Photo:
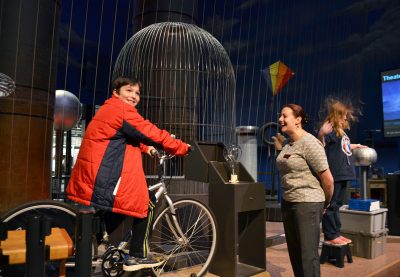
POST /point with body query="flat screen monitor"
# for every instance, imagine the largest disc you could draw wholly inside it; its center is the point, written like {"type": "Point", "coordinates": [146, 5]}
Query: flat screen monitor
{"type": "Point", "coordinates": [391, 102]}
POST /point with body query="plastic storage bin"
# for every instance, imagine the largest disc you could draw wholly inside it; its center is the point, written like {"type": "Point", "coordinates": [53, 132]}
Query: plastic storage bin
{"type": "Point", "coordinates": [360, 221]}
{"type": "Point", "coordinates": [367, 245]}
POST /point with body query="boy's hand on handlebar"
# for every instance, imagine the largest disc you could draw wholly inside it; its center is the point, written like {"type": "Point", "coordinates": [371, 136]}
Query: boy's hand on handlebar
{"type": "Point", "coordinates": [151, 151]}
{"type": "Point", "coordinates": [190, 149]}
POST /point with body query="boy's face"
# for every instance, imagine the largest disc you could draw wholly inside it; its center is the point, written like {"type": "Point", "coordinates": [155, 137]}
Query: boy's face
{"type": "Point", "coordinates": [129, 94]}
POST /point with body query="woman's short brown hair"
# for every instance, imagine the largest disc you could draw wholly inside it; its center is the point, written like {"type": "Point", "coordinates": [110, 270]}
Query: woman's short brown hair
{"type": "Point", "coordinates": [298, 111]}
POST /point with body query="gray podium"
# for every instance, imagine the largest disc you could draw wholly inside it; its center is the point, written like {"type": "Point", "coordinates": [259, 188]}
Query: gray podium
{"type": "Point", "coordinates": [239, 209]}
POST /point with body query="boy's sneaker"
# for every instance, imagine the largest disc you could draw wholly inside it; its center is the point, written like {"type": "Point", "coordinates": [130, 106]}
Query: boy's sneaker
{"type": "Point", "coordinates": [134, 263]}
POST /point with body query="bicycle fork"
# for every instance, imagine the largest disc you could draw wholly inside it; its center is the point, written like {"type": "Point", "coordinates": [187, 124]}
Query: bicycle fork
{"type": "Point", "coordinates": [173, 224]}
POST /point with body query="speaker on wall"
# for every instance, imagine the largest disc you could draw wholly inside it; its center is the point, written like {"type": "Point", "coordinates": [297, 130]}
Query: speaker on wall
{"type": "Point", "coordinates": [393, 203]}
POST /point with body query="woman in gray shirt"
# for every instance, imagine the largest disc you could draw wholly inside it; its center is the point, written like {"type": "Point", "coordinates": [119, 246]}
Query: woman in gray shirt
{"type": "Point", "coordinates": [307, 185]}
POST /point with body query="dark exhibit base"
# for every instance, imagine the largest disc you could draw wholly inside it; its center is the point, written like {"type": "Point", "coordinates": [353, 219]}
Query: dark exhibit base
{"type": "Point", "coordinates": [239, 209]}
{"type": "Point", "coordinates": [393, 203]}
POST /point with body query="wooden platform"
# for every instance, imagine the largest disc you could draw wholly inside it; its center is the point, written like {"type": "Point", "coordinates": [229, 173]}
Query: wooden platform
{"type": "Point", "coordinates": [59, 242]}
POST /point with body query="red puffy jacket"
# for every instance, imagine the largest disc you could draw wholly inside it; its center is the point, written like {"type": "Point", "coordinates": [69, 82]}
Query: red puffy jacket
{"type": "Point", "coordinates": [108, 173]}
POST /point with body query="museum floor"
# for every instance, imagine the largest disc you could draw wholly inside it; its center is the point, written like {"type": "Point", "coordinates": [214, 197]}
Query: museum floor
{"type": "Point", "coordinates": [278, 264]}
{"type": "Point", "coordinates": [386, 265]}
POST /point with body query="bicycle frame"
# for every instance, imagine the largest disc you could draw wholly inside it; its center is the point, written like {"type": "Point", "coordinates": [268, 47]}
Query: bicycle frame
{"type": "Point", "coordinates": [161, 191]}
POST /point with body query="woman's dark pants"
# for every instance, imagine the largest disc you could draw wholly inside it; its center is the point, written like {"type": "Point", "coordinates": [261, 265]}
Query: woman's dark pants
{"type": "Point", "coordinates": [301, 221]}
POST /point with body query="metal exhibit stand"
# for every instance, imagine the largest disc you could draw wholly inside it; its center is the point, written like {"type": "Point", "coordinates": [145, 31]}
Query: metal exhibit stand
{"type": "Point", "coordinates": [239, 209]}
{"type": "Point", "coordinates": [364, 181]}
{"type": "Point", "coordinates": [365, 227]}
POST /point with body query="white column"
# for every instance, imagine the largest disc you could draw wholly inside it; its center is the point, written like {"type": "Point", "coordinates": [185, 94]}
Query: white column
{"type": "Point", "coordinates": [247, 140]}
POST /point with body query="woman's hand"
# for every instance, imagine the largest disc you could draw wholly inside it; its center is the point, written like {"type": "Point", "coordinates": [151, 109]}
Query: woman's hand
{"type": "Point", "coordinates": [278, 141]}
{"type": "Point", "coordinates": [326, 179]}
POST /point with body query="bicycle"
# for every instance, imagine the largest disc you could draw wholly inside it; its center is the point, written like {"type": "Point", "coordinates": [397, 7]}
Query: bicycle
{"type": "Point", "coordinates": [184, 231]}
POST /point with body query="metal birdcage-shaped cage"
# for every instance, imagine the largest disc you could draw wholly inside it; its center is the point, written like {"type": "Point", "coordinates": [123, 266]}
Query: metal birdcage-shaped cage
{"type": "Point", "coordinates": [188, 80]}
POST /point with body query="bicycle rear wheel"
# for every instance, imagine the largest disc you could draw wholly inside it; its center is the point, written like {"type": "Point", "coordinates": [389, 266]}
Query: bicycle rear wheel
{"type": "Point", "coordinates": [60, 215]}
{"type": "Point", "coordinates": [192, 252]}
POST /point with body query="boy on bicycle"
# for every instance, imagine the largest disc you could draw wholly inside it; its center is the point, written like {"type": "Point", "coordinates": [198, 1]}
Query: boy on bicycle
{"type": "Point", "coordinates": [108, 173]}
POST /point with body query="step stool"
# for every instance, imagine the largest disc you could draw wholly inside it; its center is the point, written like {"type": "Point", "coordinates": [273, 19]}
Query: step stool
{"type": "Point", "coordinates": [338, 252]}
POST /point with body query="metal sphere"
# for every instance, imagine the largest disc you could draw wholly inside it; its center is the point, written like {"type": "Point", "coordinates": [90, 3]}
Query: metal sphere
{"type": "Point", "coordinates": [364, 156]}
{"type": "Point", "coordinates": [67, 110]}
{"type": "Point", "coordinates": [7, 85]}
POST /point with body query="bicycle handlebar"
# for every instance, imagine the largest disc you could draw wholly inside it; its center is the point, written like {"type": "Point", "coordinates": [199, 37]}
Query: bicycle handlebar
{"type": "Point", "coordinates": [165, 156]}
{"type": "Point", "coordinates": [161, 155]}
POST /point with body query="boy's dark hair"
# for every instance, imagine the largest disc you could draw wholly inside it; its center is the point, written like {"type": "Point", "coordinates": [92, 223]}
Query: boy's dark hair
{"type": "Point", "coordinates": [123, 81]}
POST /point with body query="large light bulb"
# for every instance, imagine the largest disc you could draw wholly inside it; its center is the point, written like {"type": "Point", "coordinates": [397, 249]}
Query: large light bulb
{"type": "Point", "coordinates": [232, 154]}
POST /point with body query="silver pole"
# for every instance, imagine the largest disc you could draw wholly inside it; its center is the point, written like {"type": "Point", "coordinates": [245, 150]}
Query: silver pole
{"type": "Point", "coordinates": [363, 186]}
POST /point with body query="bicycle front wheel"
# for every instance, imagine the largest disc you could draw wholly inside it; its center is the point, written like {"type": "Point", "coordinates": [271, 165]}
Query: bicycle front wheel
{"type": "Point", "coordinates": [187, 239]}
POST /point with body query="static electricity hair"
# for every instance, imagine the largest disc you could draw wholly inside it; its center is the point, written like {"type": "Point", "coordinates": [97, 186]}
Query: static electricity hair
{"type": "Point", "coordinates": [336, 110]}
